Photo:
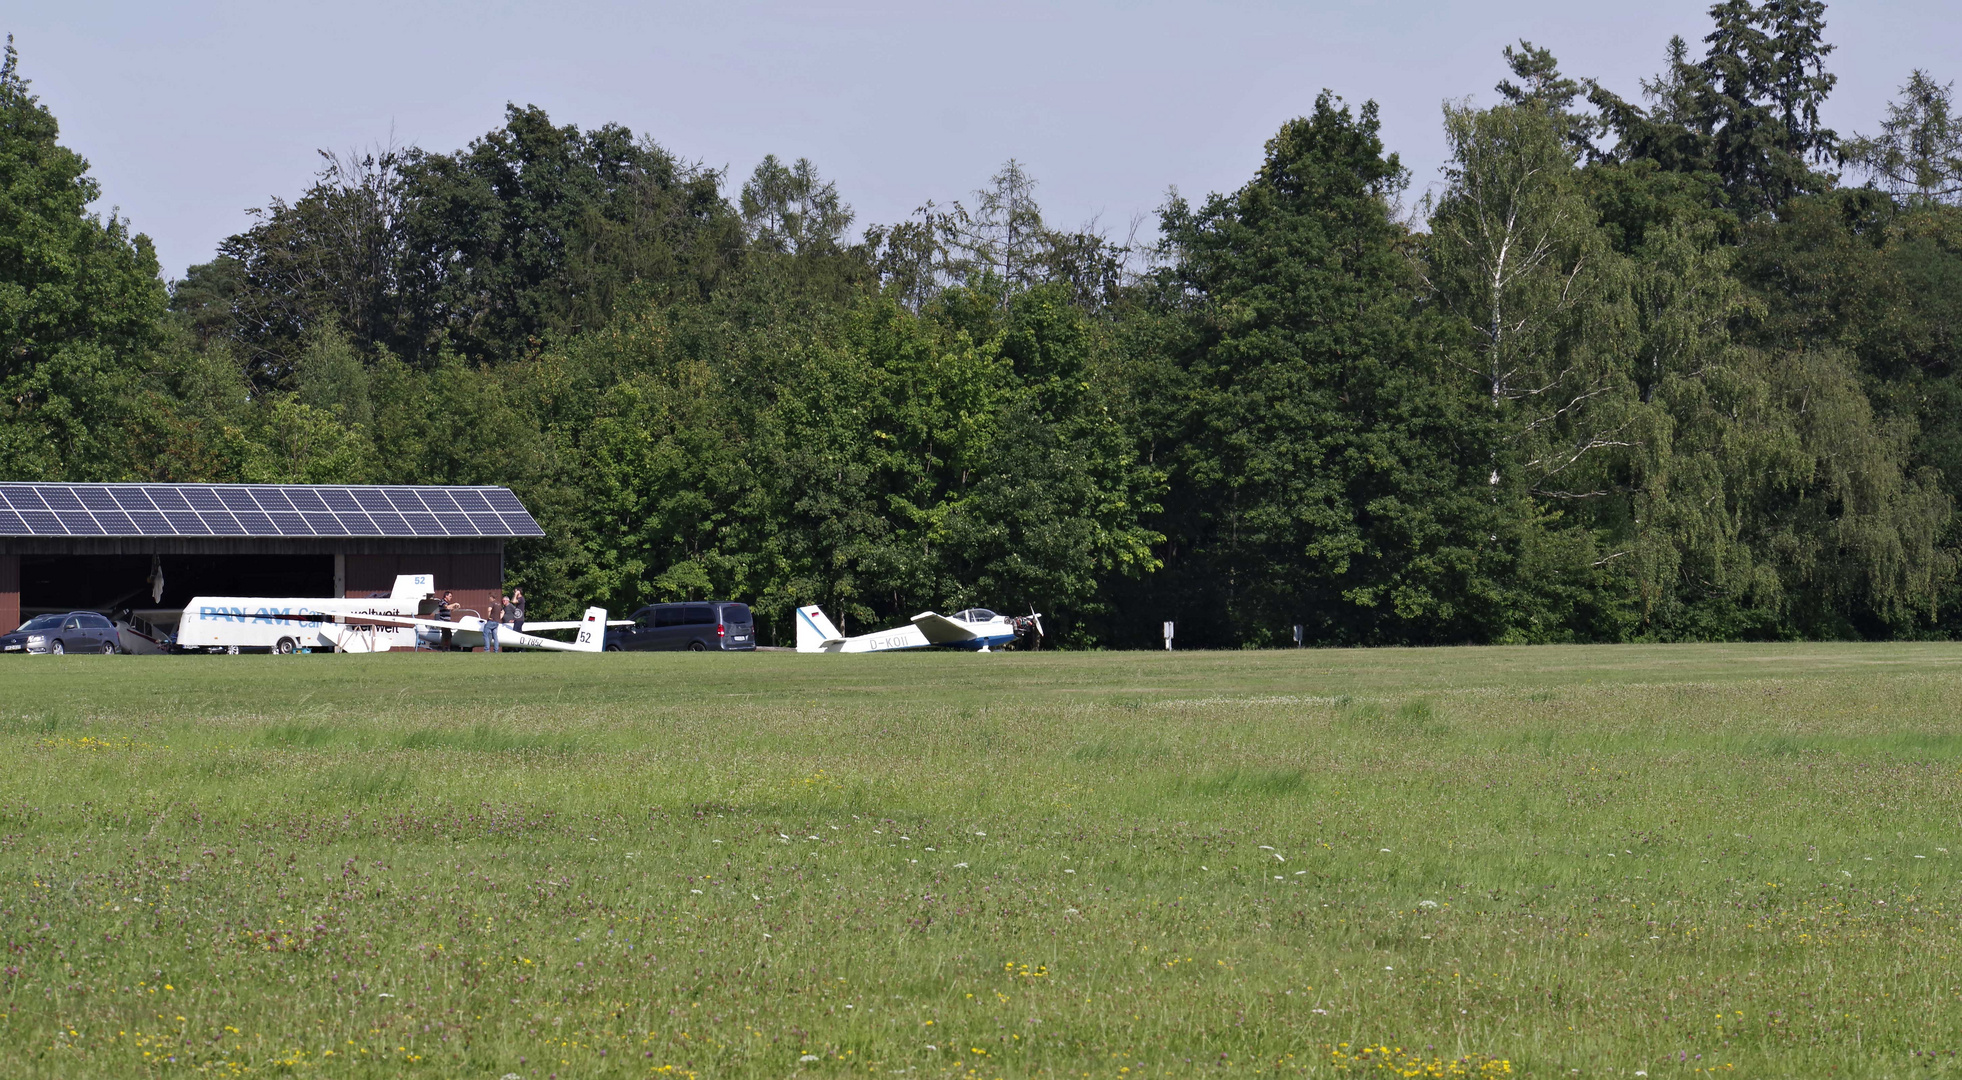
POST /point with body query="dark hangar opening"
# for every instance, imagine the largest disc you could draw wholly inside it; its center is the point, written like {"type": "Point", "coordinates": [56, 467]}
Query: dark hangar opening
{"type": "Point", "coordinates": [115, 582]}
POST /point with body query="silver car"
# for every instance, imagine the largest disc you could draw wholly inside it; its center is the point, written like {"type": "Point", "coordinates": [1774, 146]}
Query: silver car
{"type": "Point", "coordinates": [77, 631]}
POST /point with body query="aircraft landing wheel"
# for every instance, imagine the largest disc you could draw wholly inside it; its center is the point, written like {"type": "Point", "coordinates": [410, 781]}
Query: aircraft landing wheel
{"type": "Point", "coordinates": [57, 648]}
{"type": "Point", "coordinates": [108, 648]}
{"type": "Point", "coordinates": [696, 646]}
{"type": "Point", "coordinates": [286, 647]}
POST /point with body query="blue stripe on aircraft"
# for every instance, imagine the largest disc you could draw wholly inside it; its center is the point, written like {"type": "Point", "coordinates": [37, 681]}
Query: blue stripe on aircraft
{"type": "Point", "coordinates": [802, 614]}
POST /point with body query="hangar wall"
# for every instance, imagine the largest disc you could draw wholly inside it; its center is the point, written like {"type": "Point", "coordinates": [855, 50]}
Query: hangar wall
{"type": "Point", "coordinates": [9, 593]}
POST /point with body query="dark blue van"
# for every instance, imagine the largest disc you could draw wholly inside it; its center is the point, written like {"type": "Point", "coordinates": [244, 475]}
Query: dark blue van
{"type": "Point", "coordinates": [715, 626]}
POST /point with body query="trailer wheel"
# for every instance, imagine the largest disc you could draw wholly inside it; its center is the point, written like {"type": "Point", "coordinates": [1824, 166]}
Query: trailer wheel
{"type": "Point", "coordinates": [231, 650]}
{"type": "Point", "coordinates": [286, 647]}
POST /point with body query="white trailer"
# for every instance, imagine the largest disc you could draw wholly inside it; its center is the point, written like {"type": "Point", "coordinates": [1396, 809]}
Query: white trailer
{"type": "Point", "coordinates": [233, 624]}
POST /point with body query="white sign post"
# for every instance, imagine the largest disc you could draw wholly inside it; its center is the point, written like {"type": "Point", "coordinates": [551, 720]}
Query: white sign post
{"type": "Point", "coordinates": [1168, 637]}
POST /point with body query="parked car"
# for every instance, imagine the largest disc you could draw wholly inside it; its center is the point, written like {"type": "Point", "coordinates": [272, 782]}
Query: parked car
{"type": "Point", "coordinates": [77, 631]}
{"type": "Point", "coordinates": [719, 625]}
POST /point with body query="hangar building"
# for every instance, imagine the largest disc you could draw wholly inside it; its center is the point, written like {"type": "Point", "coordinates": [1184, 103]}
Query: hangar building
{"type": "Point", "coordinates": [98, 546]}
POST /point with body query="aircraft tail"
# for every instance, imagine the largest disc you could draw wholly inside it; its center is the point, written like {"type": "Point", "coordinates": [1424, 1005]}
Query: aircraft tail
{"type": "Point", "coordinates": [412, 587]}
{"type": "Point", "coordinates": [592, 631]}
{"type": "Point", "coordinates": [814, 629]}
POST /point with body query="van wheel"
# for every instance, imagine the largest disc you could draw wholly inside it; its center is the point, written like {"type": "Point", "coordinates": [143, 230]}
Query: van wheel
{"type": "Point", "coordinates": [286, 647]}
{"type": "Point", "coordinates": [696, 646]}
{"type": "Point", "coordinates": [613, 648]}
{"type": "Point", "coordinates": [57, 648]}
{"type": "Point", "coordinates": [231, 650]}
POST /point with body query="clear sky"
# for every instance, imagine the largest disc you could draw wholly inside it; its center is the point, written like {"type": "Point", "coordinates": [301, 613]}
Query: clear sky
{"type": "Point", "coordinates": [192, 112]}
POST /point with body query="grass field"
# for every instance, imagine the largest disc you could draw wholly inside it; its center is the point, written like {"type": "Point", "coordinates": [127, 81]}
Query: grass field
{"type": "Point", "coordinates": [1609, 861]}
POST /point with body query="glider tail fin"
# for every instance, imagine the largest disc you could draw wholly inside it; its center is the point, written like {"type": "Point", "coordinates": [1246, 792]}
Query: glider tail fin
{"type": "Point", "coordinates": [592, 631]}
{"type": "Point", "coordinates": [814, 629]}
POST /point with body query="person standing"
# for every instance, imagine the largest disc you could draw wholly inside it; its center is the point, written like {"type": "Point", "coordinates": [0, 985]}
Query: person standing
{"type": "Point", "coordinates": [446, 611]}
{"type": "Point", "coordinates": [516, 609]}
{"type": "Point", "coordinates": [493, 617]}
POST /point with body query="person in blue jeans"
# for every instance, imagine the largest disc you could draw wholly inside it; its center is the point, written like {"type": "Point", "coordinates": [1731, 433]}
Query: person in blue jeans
{"type": "Point", "coordinates": [493, 615]}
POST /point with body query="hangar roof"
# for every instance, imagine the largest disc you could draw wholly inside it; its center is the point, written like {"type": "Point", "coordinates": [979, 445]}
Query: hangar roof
{"type": "Point", "coordinates": [261, 510]}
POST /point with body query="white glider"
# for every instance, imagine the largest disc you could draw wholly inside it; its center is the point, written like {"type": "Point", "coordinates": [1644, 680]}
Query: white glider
{"type": "Point", "coordinates": [973, 629]}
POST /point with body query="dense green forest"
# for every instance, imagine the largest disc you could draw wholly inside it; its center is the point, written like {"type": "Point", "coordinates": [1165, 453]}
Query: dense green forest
{"type": "Point", "coordinates": [1678, 364]}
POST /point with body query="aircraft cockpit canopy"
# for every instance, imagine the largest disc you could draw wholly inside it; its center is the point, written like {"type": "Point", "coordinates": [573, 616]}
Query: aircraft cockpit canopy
{"type": "Point", "coordinates": [974, 614]}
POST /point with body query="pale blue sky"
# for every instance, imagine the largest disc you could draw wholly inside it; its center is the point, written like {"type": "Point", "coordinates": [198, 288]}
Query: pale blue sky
{"type": "Point", "coordinates": [192, 112]}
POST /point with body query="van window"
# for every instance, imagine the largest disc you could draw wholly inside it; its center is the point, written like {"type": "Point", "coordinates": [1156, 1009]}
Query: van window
{"type": "Point", "coordinates": [669, 615]}
{"type": "Point", "coordinates": [736, 613]}
{"type": "Point", "coordinates": [644, 617]}
{"type": "Point", "coordinates": [700, 615]}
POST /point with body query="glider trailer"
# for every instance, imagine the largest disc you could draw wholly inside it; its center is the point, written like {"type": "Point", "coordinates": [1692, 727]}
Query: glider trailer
{"type": "Point", "coordinates": [234, 624]}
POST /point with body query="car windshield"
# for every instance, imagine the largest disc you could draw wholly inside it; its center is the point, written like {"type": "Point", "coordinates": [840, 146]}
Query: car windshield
{"type": "Point", "coordinates": [42, 622]}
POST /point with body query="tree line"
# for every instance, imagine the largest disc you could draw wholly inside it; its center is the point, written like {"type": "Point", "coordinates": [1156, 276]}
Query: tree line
{"type": "Point", "coordinates": [1676, 365]}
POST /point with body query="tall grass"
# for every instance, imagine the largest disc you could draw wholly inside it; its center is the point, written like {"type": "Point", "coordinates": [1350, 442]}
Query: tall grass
{"type": "Point", "coordinates": [1669, 860]}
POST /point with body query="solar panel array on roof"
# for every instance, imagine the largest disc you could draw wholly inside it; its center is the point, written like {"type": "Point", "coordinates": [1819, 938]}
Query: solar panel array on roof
{"type": "Point", "coordinates": [260, 510]}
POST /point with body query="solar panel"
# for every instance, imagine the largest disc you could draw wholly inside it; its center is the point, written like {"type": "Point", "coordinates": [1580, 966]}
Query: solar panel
{"type": "Point", "coordinates": [271, 499]}
{"type": "Point", "coordinates": [60, 498]}
{"type": "Point", "coordinates": [115, 523]}
{"type": "Point", "coordinates": [23, 492]}
{"type": "Point", "coordinates": [268, 510]}
{"type": "Point", "coordinates": [167, 499]}
{"type": "Point", "coordinates": [392, 525]}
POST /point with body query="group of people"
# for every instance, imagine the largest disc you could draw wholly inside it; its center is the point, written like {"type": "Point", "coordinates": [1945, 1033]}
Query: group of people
{"type": "Point", "coordinates": [504, 611]}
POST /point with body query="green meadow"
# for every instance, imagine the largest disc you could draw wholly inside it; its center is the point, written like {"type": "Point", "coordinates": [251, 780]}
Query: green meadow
{"type": "Point", "coordinates": [1553, 861]}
